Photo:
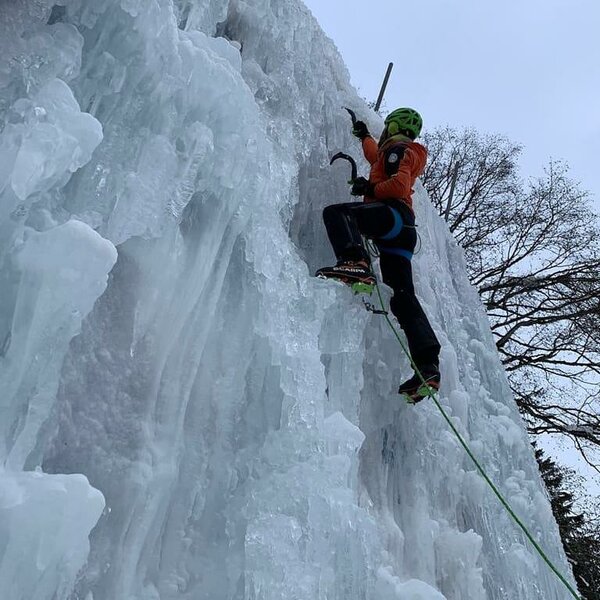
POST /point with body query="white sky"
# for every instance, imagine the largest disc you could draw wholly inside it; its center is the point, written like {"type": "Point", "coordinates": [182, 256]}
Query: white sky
{"type": "Point", "coordinates": [527, 69]}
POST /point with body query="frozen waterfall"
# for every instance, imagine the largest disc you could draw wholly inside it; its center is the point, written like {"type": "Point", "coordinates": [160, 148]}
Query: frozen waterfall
{"type": "Point", "coordinates": [185, 412]}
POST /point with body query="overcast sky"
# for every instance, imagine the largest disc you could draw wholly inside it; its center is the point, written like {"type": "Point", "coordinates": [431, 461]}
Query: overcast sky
{"type": "Point", "coordinates": [527, 69]}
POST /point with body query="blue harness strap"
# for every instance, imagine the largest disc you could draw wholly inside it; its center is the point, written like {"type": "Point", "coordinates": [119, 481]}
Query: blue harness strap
{"type": "Point", "coordinates": [398, 251]}
{"type": "Point", "coordinates": [394, 232]}
{"type": "Point", "coordinates": [396, 229]}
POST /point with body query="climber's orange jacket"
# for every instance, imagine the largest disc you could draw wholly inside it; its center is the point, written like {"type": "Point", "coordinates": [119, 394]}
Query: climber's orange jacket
{"type": "Point", "coordinates": [395, 167]}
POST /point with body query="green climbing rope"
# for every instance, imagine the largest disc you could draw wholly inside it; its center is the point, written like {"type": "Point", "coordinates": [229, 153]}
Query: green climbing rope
{"type": "Point", "coordinates": [464, 444]}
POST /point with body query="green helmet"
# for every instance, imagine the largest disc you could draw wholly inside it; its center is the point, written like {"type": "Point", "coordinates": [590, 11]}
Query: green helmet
{"type": "Point", "coordinates": [404, 120]}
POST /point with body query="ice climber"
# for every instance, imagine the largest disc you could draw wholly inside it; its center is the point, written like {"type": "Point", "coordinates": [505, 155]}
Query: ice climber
{"type": "Point", "coordinates": [386, 216]}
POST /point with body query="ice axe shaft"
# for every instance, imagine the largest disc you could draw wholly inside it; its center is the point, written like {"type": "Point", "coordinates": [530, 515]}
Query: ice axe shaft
{"type": "Point", "coordinates": [383, 86]}
{"type": "Point", "coordinates": [350, 160]}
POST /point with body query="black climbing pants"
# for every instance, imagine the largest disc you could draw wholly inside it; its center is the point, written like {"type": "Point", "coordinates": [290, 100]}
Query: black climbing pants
{"type": "Point", "coordinates": [391, 225]}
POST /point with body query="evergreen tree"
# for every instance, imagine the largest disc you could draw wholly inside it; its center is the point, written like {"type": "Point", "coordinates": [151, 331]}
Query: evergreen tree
{"type": "Point", "coordinates": [579, 532]}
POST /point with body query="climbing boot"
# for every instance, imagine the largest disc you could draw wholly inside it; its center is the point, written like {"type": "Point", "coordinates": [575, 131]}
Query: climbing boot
{"type": "Point", "coordinates": [349, 272]}
{"type": "Point", "coordinates": [420, 386]}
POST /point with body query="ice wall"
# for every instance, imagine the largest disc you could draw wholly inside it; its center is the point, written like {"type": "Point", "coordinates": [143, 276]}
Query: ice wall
{"type": "Point", "coordinates": [186, 412]}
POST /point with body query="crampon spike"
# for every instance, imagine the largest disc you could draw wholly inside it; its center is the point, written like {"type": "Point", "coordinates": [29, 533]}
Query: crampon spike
{"type": "Point", "coordinates": [425, 391]}
{"type": "Point", "coordinates": [358, 287]}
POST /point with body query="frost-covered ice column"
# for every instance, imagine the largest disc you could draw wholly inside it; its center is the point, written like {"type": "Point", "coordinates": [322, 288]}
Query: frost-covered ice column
{"type": "Point", "coordinates": [52, 269]}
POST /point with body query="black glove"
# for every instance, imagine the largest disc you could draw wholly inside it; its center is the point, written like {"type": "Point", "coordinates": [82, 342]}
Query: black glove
{"type": "Point", "coordinates": [362, 187]}
{"type": "Point", "coordinates": [359, 129]}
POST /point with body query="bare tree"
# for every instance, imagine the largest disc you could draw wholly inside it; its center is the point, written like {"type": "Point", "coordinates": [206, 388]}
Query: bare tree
{"type": "Point", "coordinates": [533, 252]}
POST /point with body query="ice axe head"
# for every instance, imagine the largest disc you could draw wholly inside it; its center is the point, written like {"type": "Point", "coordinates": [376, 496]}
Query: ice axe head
{"type": "Point", "coordinates": [352, 115]}
{"type": "Point", "coordinates": [350, 160]}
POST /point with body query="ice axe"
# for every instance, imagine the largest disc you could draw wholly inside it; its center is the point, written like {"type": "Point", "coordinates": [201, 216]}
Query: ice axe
{"type": "Point", "coordinates": [346, 156]}
{"type": "Point", "coordinates": [350, 160]}
{"type": "Point", "coordinates": [352, 115]}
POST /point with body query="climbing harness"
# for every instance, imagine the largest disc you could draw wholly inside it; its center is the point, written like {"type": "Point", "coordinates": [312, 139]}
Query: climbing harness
{"type": "Point", "coordinates": [480, 469]}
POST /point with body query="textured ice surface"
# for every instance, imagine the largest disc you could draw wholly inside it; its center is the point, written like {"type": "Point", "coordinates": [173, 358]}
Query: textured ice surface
{"type": "Point", "coordinates": [163, 168]}
{"type": "Point", "coordinates": [44, 520]}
